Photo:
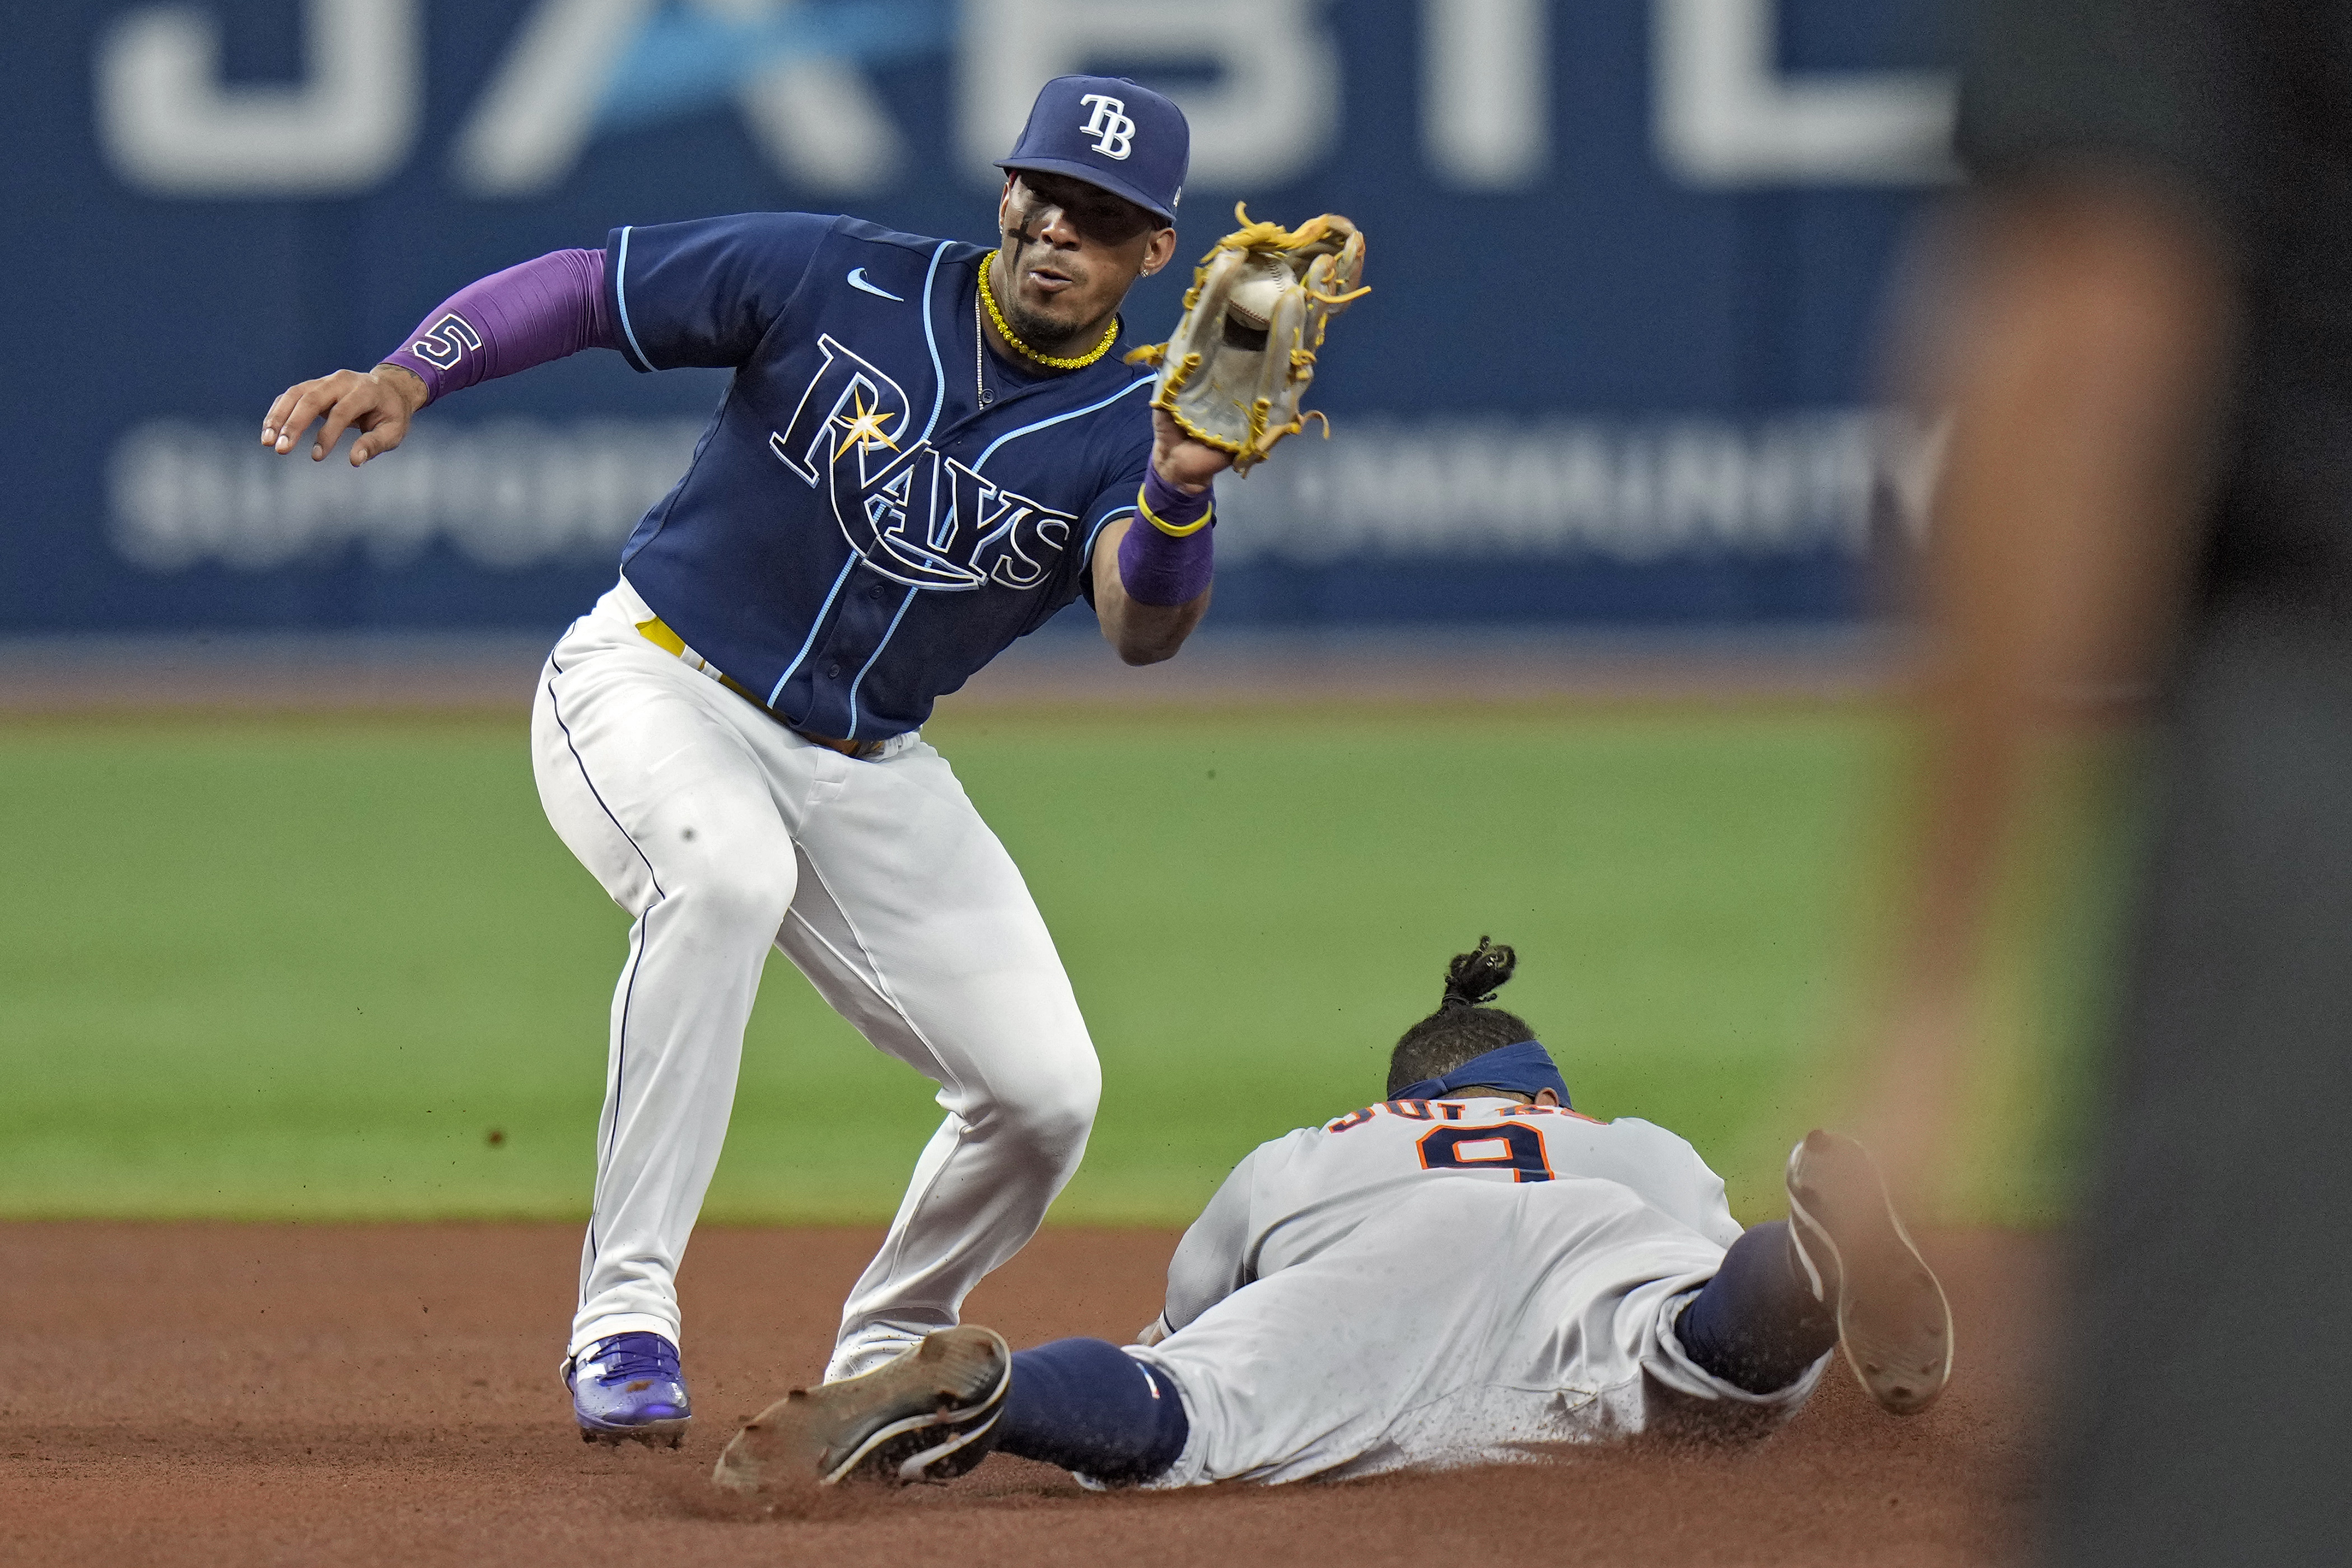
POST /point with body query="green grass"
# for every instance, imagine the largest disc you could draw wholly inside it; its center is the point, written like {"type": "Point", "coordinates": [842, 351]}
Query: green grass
{"type": "Point", "coordinates": [302, 969]}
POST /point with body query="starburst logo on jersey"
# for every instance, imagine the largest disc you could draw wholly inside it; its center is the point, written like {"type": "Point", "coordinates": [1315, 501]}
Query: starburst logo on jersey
{"type": "Point", "coordinates": [917, 516]}
{"type": "Point", "coordinates": [866, 429]}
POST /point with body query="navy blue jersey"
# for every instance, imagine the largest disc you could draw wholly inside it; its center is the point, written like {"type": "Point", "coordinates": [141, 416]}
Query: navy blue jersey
{"type": "Point", "coordinates": [856, 535]}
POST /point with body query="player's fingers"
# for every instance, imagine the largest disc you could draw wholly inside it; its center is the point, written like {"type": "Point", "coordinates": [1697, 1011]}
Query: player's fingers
{"type": "Point", "coordinates": [277, 422]}
{"type": "Point", "coordinates": [281, 407]}
{"type": "Point", "coordinates": [307, 407]}
{"type": "Point", "coordinates": [340, 415]}
{"type": "Point", "coordinates": [381, 432]}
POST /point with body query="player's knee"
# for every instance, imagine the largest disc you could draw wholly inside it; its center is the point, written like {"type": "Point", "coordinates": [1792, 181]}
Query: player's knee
{"type": "Point", "coordinates": [1055, 1124]}
{"type": "Point", "coordinates": [741, 884]}
{"type": "Point", "coordinates": [1055, 1112]}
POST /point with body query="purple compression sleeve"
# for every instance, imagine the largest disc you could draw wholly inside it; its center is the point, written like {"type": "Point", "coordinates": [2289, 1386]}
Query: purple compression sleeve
{"type": "Point", "coordinates": [1159, 568]}
{"type": "Point", "coordinates": [511, 321]}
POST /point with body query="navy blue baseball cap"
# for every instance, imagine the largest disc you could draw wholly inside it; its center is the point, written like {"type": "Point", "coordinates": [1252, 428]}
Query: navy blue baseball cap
{"type": "Point", "coordinates": [1108, 132]}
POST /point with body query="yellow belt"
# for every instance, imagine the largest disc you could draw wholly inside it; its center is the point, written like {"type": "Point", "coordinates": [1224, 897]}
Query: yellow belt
{"type": "Point", "coordinates": [656, 631]}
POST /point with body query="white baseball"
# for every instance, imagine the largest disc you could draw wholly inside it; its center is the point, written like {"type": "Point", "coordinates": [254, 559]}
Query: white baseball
{"type": "Point", "coordinates": [1253, 300]}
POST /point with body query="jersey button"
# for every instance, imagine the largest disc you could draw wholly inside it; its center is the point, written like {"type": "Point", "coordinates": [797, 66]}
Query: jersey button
{"type": "Point", "coordinates": [875, 593]}
{"type": "Point", "coordinates": [833, 670]}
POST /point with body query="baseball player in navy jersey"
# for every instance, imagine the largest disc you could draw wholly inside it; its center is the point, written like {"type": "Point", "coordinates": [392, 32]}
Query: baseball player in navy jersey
{"type": "Point", "coordinates": [1469, 1272]}
{"type": "Point", "coordinates": [927, 449]}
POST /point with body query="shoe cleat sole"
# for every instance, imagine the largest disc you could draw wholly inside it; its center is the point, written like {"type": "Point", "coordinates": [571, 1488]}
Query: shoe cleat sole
{"type": "Point", "coordinates": [925, 1416]}
{"type": "Point", "coordinates": [1895, 1325]}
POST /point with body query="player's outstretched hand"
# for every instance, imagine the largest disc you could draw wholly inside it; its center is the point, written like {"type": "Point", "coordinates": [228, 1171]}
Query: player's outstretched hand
{"type": "Point", "coordinates": [376, 403]}
{"type": "Point", "coordinates": [1181, 460]}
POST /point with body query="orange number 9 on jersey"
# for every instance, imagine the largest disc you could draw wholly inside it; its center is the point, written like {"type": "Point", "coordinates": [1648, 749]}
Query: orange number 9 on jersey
{"type": "Point", "coordinates": [1514, 1147]}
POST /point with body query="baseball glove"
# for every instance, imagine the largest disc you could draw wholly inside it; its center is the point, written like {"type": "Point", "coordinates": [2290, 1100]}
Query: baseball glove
{"type": "Point", "coordinates": [1241, 358]}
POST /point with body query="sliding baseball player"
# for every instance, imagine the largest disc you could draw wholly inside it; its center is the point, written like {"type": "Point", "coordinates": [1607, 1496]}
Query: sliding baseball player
{"type": "Point", "coordinates": [1468, 1272]}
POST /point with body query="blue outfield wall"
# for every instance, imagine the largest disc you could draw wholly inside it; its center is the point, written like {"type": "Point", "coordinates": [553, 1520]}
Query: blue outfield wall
{"type": "Point", "coordinates": [1628, 257]}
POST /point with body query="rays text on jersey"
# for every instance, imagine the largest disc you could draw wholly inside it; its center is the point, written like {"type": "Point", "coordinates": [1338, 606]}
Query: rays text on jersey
{"type": "Point", "coordinates": [916, 515]}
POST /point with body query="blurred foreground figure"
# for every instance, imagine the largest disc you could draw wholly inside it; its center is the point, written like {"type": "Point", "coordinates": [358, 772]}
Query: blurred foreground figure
{"type": "Point", "coordinates": [2148, 356]}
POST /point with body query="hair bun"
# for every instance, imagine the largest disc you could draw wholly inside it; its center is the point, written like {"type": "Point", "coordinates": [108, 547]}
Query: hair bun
{"type": "Point", "coordinates": [1472, 978]}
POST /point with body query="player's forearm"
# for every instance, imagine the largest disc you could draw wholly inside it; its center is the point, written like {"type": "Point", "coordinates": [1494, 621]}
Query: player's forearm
{"type": "Point", "coordinates": [543, 310]}
{"type": "Point", "coordinates": [2081, 400]}
{"type": "Point", "coordinates": [1143, 634]}
{"type": "Point", "coordinates": [2085, 354]}
{"type": "Point", "coordinates": [1211, 1262]}
{"type": "Point", "coordinates": [1163, 563]}
{"type": "Point", "coordinates": [1200, 1275]}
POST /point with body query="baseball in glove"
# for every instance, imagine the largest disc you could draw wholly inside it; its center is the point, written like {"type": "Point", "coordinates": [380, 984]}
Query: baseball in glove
{"type": "Point", "coordinates": [1242, 354]}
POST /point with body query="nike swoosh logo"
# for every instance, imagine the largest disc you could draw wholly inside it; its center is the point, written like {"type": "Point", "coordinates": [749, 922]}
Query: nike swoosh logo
{"type": "Point", "coordinates": [857, 280]}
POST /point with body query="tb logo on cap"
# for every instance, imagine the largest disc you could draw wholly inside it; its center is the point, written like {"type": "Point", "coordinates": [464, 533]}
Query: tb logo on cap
{"type": "Point", "coordinates": [1113, 130]}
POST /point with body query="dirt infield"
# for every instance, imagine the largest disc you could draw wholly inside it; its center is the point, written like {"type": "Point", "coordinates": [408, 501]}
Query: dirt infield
{"type": "Point", "coordinates": [250, 1395]}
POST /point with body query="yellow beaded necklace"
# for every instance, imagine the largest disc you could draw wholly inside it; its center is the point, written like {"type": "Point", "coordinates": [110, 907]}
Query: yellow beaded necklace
{"type": "Point", "coordinates": [1078, 361]}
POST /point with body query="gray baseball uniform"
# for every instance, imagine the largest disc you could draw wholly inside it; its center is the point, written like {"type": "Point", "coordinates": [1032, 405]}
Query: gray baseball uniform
{"type": "Point", "coordinates": [1445, 1282]}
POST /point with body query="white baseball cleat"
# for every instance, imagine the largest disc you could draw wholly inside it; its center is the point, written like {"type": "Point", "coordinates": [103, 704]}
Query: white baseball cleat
{"type": "Point", "coordinates": [1894, 1323]}
{"type": "Point", "coordinates": [928, 1416]}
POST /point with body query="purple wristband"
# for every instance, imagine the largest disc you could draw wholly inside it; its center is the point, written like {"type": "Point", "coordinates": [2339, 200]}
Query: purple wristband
{"type": "Point", "coordinates": [511, 321]}
{"type": "Point", "coordinates": [1159, 568]}
{"type": "Point", "coordinates": [1173, 506]}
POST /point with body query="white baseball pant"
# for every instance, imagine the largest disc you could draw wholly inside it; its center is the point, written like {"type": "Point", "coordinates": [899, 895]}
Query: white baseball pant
{"type": "Point", "coordinates": [721, 832]}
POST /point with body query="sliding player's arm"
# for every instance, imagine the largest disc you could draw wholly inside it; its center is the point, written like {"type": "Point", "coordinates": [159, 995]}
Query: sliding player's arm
{"type": "Point", "coordinates": [1212, 1260]}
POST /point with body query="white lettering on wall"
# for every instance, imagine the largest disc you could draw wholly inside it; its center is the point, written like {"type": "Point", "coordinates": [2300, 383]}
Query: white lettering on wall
{"type": "Point", "coordinates": [530, 124]}
{"type": "Point", "coordinates": [169, 124]}
{"type": "Point", "coordinates": [1726, 116]}
{"type": "Point", "coordinates": [1625, 490]}
{"type": "Point", "coordinates": [509, 493]}
{"type": "Point", "coordinates": [1486, 92]}
{"type": "Point", "coordinates": [1271, 114]}
{"type": "Point", "coordinates": [517, 493]}
{"type": "Point", "coordinates": [815, 118]}
{"type": "Point", "coordinates": [822, 127]}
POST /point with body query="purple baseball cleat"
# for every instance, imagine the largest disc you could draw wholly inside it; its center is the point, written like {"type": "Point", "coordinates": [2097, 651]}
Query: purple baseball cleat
{"type": "Point", "coordinates": [629, 1385]}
